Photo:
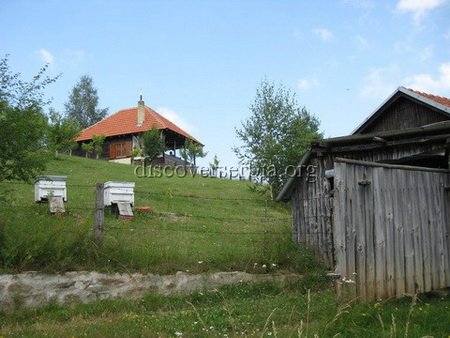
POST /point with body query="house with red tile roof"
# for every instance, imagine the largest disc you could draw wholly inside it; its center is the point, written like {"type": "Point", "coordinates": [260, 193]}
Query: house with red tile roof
{"type": "Point", "coordinates": [122, 131]}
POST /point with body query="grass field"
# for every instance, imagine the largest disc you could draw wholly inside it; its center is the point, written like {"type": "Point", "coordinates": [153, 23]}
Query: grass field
{"type": "Point", "coordinates": [197, 224]}
{"type": "Point", "coordinates": [220, 223]}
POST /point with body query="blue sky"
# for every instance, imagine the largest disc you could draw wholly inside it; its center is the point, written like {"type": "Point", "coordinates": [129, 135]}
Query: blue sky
{"type": "Point", "coordinates": [200, 62]}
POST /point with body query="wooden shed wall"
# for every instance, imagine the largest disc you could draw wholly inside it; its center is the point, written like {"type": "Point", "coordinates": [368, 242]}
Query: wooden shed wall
{"type": "Point", "coordinates": [312, 214]}
{"type": "Point", "coordinates": [403, 114]}
{"type": "Point", "coordinates": [312, 201]}
{"type": "Point", "coordinates": [391, 230]}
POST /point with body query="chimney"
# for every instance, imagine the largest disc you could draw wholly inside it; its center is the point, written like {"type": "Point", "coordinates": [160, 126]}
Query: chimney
{"type": "Point", "coordinates": [140, 111]}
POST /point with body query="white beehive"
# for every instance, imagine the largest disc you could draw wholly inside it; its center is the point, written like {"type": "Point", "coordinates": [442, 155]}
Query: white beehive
{"type": "Point", "coordinates": [47, 186]}
{"type": "Point", "coordinates": [118, 192]}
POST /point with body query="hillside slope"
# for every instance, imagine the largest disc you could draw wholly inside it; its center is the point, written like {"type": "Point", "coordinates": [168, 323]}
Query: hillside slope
{"type": "Point", "coordinates": [197, 224]}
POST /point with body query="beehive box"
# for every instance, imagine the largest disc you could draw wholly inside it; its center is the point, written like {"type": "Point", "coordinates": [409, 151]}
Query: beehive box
{"type": "Point", "coordinates": [46, 186]}
{"type": "Point", "coordinates": [118, 192]}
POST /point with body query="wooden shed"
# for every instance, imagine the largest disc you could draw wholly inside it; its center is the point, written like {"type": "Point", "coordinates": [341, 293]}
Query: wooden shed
{"type": "Point", "coordinates": [378, 208]}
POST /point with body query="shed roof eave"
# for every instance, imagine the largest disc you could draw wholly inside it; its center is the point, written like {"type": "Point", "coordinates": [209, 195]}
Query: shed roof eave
{"type": "Point", "coordinates": [285, 194]}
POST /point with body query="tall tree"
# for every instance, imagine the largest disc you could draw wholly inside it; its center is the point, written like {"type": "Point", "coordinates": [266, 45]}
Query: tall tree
{"type": "Point", "coordinates": [61, 132]}
{"type": "Point", "coordinates": [276, 135]}
{"type": "Point", "coordinates": [23, 124]}
{"type": "Point", "coordinates": [82, 105]}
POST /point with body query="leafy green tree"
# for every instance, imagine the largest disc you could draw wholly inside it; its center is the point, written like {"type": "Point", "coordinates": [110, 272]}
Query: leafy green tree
{"type": "Point", "coordinates": [61, 132]}
{"type": "Point", "coordinates": [23, 124]}
{"type": "Point", "coordinates": [82, 105]}
{"type": "Point", "coordinates": [153, 144]}
{"type": "Point", "coordinates": [276, 135]}
{"type": "Point", "coordinates": [98, 141]}
{"type": "Point", "coordinates": [94, 146]}
{"type": "Point", "coordinates": [191, 151]}
{"type": "Point", "coordinates": [88, 148]}
{"type": "Point", "coordinates": [214, 165]}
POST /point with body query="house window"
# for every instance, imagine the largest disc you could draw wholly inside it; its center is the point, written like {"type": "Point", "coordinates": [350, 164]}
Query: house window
{"type": "Point", "coordinates": [120, 149]}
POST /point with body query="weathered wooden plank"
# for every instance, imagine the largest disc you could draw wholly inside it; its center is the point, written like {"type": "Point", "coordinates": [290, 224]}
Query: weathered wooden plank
{"type": "Point", "coordinates": [426, 233]}
{"type": "Point", "coordinates": [409, 239]}
{"type": "Point", "coordinates": [339, 226]}
{"type": "Point", "coordinates": [399, 191]}
{"type": "Point", "coordinates": [386, 191]}
{"type": "Point", "coordinates": [437, 230]}
{"type": "Point", "coordinates": [370, 240]}
{"type": "Point", "coordinates": [416, 200]}
{"type": "Point", "coordinates": [351, 173]}
{"type": "Point", "coordinates": [379, 227]}
{"type": "Point", "coordinates": [434, 210]}
{"type": "Point", "coordinates": [446, 228]}
{"type": "Point", "coordinates": [442, 249]}
{"type": "Point", "coordinates": [360, 219]}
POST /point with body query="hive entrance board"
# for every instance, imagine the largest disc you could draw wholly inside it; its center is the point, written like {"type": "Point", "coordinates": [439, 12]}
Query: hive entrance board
{"type": "Point", "coordinates": [124, 209]}
{"type": "Point", "coordinates": [56, 205]}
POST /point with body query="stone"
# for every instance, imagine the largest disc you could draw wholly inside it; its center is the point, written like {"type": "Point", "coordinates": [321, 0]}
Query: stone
{"type": "Point", "coordinates": [34, 289]}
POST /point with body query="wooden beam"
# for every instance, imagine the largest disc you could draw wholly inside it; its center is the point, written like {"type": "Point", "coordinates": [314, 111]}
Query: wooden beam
{"type": "Point", "coordinates": [390, 166]}
{"type": "Point", "coordinates": [379, 145]}
{"type": "Point", "coordinates": [379, 139]}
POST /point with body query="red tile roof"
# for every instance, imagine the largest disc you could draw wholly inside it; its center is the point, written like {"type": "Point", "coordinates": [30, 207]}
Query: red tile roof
{"type": "Point", "coordinates": [125, 122]}
{"type": "Point", "coordinates": [439, 99]}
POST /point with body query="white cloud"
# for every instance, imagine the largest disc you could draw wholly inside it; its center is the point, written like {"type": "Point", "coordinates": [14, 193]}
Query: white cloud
{"type": "Point", "coordinates": [439, 85]}
{"type": "Point", "coordinates": [176, 118]}
{"type": "Point", "coordinates": [305, 84]}
{"type": "Point", "coordinates": [46, 56]}
{"type": "Point", "coordinates": [323, 33]}
{"type": "Point", "coordinates": [380, 82]}
{"type": "Point", "coordinates": [426, 53]}
{"type": "Point", "coordinates": [418, 7]}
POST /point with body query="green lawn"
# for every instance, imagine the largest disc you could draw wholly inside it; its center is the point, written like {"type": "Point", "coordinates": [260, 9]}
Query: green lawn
{"type": "Point", "coordinates": [235, 311]}
{"type": "Point", "coordinates": [218, 222]}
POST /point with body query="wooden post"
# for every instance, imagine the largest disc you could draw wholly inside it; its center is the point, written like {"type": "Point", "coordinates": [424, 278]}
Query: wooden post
{"type": "Point", "coordinates": [99, 212]}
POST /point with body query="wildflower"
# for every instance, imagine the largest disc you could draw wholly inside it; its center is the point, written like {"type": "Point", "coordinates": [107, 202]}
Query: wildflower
{"type": "Point", "coordinates": [178, 334]}
{"type": "Point", "coordinates": [274, 265]}
{"type": "Point", "coordinates": [264, 266]}
{"type": "Point", "coordinates": [200, 262]}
